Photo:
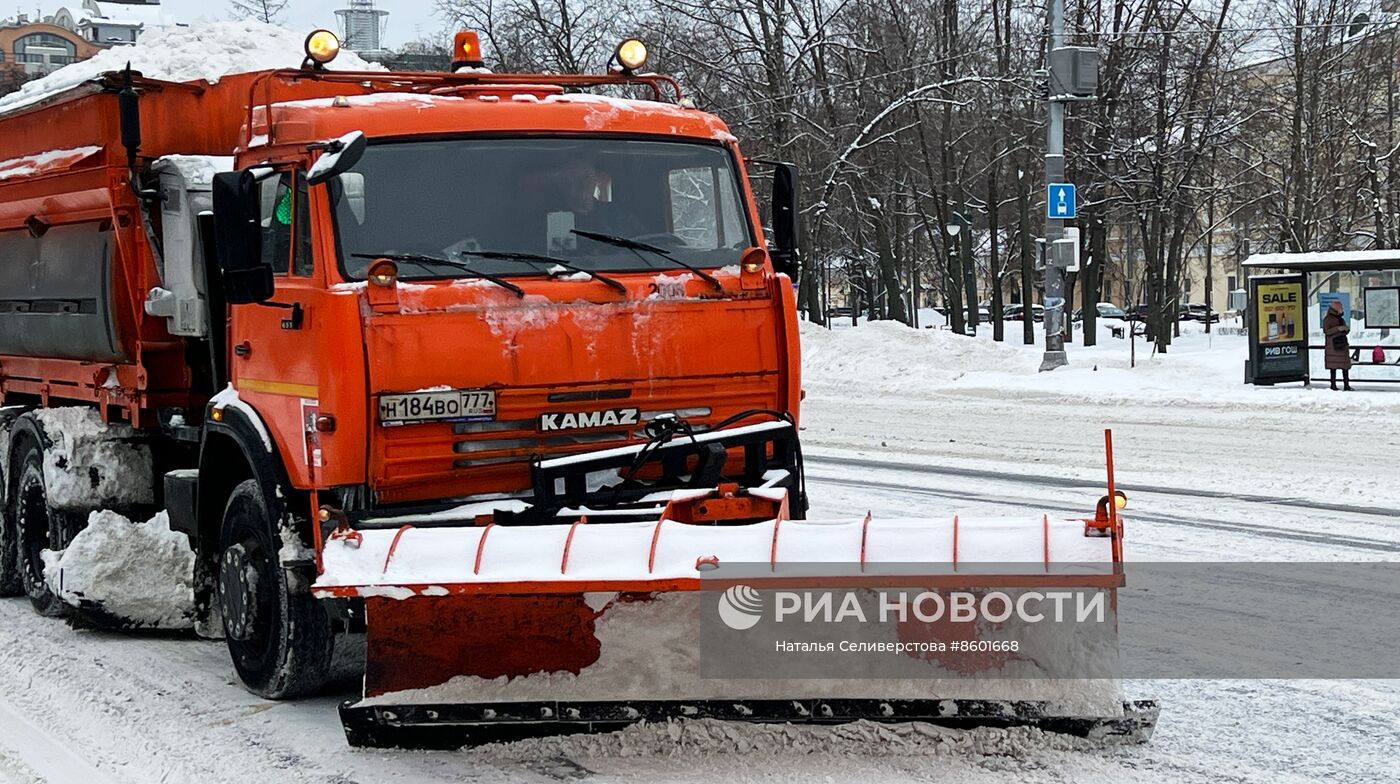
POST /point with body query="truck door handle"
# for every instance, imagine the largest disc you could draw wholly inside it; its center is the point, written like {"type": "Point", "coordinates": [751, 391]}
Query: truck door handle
{"type": "Point", "coordinates": [243, 349]}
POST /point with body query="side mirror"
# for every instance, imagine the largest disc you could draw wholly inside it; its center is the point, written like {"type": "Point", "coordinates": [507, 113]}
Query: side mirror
{"type": "Point", "coordinates": [340, 156]}
{"type": "Point", "coordinates": [787, 229]}
{"type": "Point", "coordinates": [238, 239]}
{"type": "Point", "coordinates": [248, 286]}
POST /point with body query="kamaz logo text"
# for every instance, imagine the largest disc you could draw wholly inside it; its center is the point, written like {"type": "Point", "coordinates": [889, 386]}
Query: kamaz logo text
{"type": "Point", "coordinates": [579, 420]}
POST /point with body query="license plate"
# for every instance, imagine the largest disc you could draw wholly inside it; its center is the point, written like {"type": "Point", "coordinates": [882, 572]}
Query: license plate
{"type": "Point", "coordinates": [462, 405]}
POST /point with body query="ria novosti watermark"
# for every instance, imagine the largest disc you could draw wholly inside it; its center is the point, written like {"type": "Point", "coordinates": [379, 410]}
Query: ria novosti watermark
{"type": "Point", "coordinates": [742, 607]}
{"type": "Point", "coordinates": [1165, 620]}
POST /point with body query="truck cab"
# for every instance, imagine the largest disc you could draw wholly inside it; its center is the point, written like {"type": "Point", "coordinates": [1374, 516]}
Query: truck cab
{"type": "Point", "coordinates": [452, 302]}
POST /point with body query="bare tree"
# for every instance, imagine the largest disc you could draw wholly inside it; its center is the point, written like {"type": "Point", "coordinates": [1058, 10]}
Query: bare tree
{"type": "Point", "coordinates": [1273, 123]}
{"type": "Point", "coordinates": [269, 11]}
{"type": "Point", "coordinates": [547, 36]}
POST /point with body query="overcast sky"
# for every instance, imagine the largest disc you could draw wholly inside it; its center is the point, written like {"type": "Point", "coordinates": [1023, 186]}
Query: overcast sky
{"type": "Point", "coordinates": [408, 19]}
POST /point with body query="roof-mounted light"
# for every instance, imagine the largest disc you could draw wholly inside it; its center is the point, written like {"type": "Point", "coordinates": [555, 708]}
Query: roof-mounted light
{"type": "Point", "coordinates": [322, 46]}
{"type": "Point", "coordinates": [631, 55]}
{"type": "Point", "coordinates": [466, 51]}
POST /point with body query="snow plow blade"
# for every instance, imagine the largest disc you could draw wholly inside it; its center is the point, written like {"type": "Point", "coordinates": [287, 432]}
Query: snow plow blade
{"type": "Point", "coordinates": [453, 726]}
{"type": "Point", "coordinates": [589, 616]}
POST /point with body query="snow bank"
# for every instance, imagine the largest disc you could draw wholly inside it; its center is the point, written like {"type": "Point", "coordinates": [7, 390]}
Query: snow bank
{"type": "Point", "coordinates": [890, 357]}
{"type": "Point", "coordinates": [1200, 370]}
{"type": "Point", "coordinates": [204, 50]}
{"type": "Point", "coordinates": [142, 573]}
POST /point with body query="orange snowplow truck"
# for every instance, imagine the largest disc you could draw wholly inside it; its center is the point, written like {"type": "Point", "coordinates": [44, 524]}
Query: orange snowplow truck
{"type": "Point", "coordinates": [431, 361]}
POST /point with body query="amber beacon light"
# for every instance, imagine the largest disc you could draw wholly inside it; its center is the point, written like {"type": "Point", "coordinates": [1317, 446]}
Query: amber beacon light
{"type": "Point", "coordinates": [466, 51]}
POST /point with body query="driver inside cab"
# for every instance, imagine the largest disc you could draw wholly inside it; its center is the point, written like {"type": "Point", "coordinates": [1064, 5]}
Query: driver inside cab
{"type": "Point", "coordinates": [586, 196]}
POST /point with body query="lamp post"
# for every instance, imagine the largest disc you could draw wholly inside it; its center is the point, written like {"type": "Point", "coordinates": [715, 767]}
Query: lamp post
{"type": "Point", "coordinates": [1073, 72]}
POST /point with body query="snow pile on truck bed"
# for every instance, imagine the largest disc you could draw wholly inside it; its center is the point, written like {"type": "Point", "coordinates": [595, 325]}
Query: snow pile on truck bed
{"type": "Point", "coordinates": [143, 573]}
{"type": "Point", "coordinates": [204, 50]}
{"type": "Point", "coordinates": [50, 160]}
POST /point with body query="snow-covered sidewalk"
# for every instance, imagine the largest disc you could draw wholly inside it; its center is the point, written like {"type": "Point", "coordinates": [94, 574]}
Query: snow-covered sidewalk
{"type": "Point", "coordinates": [1202, 370]}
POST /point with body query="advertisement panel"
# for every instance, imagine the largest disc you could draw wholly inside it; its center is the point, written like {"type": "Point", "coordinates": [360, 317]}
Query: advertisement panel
{"type": "Point", "coordinates": [1278, 330]}
{"type": "Point", "coordinates": [1325, 300]}
{"type": "Point", "coordinates": [1382, 307]}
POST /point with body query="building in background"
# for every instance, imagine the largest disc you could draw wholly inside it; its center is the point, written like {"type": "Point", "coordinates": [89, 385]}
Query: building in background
{"type": "Point", "coordinates": [31, 48]}
{"type": "Point", "coordinates": [35, 46]}
{"type": "Point", "coordinates": [120, 22]}
{"type": "Point", "coordinates": [362, 29]}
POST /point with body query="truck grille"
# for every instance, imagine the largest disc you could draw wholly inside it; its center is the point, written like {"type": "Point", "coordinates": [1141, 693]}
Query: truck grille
{"type": "Point", "coordinates": [443, 460]}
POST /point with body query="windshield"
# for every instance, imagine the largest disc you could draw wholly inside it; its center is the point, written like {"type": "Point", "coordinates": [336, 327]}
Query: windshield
{"type": "Point", "coordinates": [471, 199]}
{"type": "Point", "coordinates": [1111, 311]}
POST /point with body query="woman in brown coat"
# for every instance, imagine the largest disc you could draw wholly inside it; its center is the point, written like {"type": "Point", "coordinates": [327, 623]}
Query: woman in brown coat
{"type": "Point", "coordinates": [1336, 351]}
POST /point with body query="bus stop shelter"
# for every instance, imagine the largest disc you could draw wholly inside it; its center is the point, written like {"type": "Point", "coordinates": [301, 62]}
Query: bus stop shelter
{"type": "Point", "coordinates": [1368, 285]}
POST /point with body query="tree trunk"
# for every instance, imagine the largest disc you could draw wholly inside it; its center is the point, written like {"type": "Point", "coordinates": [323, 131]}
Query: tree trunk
{"type": "Point", "coordinates": [994, 256]}
{"type": "Point", "coordinates": [1023, 208]}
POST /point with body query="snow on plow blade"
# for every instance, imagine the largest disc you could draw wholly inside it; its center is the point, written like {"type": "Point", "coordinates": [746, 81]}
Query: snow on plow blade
{"type": "Point", "coordinates": [491, 632]}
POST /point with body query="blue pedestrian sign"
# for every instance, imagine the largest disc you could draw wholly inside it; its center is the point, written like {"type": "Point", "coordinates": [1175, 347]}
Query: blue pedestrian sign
{"type": "Point", "coordinates": [1059, 200]}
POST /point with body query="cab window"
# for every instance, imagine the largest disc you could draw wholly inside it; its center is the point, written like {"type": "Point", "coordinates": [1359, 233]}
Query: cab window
{"type": "Point", "coordinates": [702, 209]}
{"type": "Point", "coordinates": [286, 225]}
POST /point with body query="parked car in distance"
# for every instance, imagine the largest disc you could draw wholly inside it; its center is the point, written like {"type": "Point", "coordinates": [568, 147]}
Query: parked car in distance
{"type": "Point", "coordinates": [1106, 310]}
{"type": "Point", "coordinates": [984, 316]}
{"type": "Point", "coordinates": [838, 312]}
{"type": "Point", "coordinates": [1193, 311]}
{"type": "Point", "coordinates": [1015, 312]}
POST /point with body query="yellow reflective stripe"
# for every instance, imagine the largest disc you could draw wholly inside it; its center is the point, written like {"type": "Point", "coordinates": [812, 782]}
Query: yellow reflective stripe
{"type": "Point", "coordinates": [279, 388]}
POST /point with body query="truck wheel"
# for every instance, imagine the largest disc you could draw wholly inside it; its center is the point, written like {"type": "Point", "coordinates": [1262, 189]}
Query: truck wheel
{"type": "Point", "coordinates": [36, 528]}
{"type": "Point", "coordinates": [281, 641]}
{"type": "Point", "coordinates": [11, 582]}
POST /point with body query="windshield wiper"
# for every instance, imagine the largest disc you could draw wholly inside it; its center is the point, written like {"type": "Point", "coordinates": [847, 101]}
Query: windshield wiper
{"type": "Point", "coordinates": [421, 260]}
{"type": "Point", "coordinates": [535, 258]}
{"type": "Point", "coordinates": [634, 246]}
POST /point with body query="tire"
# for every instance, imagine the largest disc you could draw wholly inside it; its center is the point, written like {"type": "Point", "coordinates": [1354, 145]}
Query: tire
{"type": "Point", "coordinates": [11, 582]}
{"type": "Point", "coordinates": [281, 641]}
{"type": "Point", "coordinates": [36, 528]}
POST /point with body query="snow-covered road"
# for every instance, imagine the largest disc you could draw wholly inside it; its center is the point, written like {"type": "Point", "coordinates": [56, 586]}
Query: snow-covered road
{"type": "Point", "coordinates": [120, 708]}
{"type": "Point", "coordinates": [1210, 480]}
{"type": "Point", "coordinates": [143, 708]}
